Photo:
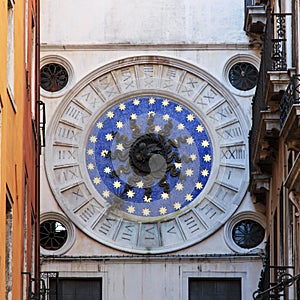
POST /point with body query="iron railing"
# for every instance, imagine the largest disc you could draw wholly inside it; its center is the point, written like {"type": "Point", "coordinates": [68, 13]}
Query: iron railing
{"type": "Point", "coordinates": [273, 59]}
{"type": "Point", "coordinates": [290, 97]}
{"type": "Point", "coordinates": [278, 288]}
{"type": "Point", "coordinates": [51, 282]}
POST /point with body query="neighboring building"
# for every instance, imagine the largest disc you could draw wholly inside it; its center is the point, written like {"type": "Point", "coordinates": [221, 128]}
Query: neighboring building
{"type": "Point", "coordinates": [145, 174]}
{"type": "Point", "coordinates": [20, 149]}
{"type": "Point", "coordinates": [275, 145]}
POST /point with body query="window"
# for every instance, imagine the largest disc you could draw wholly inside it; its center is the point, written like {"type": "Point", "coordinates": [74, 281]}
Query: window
{"type": "Point", "coordinates": [243, 76]}
{"type": "Point", "coordinates": [8, 258]}
{"type": "Point", "coordinates": [77, 289]}
{"type": "Point", "coordinates": [53, 235]}
{"type": "Point", "coordinates": [214, 289]}
{"type": "Point", "coordinates": [10, 47]}
{"type": "Point", "coordinates": [248, 234]}
{"type": "Point", "coordinates": [54, 77]}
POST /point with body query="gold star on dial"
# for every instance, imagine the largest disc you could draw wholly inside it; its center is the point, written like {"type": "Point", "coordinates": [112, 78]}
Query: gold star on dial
{"type": "Point", "coordinates": [117, 184]}
{"type": "Point", "coordinates": [204, 172]}
{"type": "Point", "coordinates": [106, 193]}
{"type": "Point", "coordinates": [190, 117]}
{"type": "Point", "coordinates": [107, 170]}
{"type": "Point", "coordinates": [109, 137]}
{"type": "Point", "coordinates": [147, 199]}
{"type": "Point", "coordinates": [151, 100]}
{"type": "Point", "coordinates": [119, 125]}
{"type": "Point", "coordinates": [199, 128]}
{"type": "Point", "coordinates": [104, 153]}
{"type": "Point", "coordinates": [178, 108]}
{"type": "Point", "coordinates": [90, 151]}
{"type": "Point", "coordinates": [179, 186]}
{"type": "Point", "coordinates": [177, 205]}
{"type": "Point", "coordinates": [163, 210]}
{"type": "Point", "coordinates": [205, 143]}
{"type": "Point", "coordinates": [207, 158]}
{"type": "Point", "coordinates": [97, 180]}
{"type": "Point", "coordinates": [91, 166]}
{"type": "Point", "coordinates": [93, 139]}
{"type": "Point", "coordinates": [199, 185]}
{"type": "Point", "coordinates": [136, 102]}
{"type": "Point", "coordinates": [131, 209]}
{"type": "Point", "coordinates": [188, 197]}
{"type": "Point", "coordinates": [146, 211]}
{"type": "Point", "coordinates": [122, 106]}
{"type": "Point", "coordinates": [165, 102]}
{"type": "Point", "coordinates": [110, 114]}
{"type": "Point", "coordinates": [100, 125]}
{"type": "Point", "coordinates": [164, 196]}
{"type": "Point", "coordinates": [130, 194]}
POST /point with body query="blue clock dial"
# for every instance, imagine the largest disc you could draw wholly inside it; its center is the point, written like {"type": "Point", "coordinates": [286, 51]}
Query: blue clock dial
{"type": "Point", "coordinates": [149, 156]}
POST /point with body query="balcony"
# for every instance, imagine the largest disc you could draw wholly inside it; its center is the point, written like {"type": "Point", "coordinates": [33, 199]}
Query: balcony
{"type": "Point", "coordinates": [273, 80]}
{"type": "Point", "coordinates": [290, 114]}
{"type": "Point", "coordinates": [255, 17]}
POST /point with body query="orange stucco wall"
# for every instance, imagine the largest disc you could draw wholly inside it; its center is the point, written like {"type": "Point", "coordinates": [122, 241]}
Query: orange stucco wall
{"type": "Point", "coordinates": [18, 154]}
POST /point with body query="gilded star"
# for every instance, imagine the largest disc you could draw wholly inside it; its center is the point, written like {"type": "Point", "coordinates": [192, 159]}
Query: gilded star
{"type": "Point", "coordinates": [147, 199]}
{"type": "Point", "coordinates": [151, 100]}
{"type": "Point", "coordinates": [178, 108]}
{"type": "Point", "coordinates": [100, 125]}
{"type": "Point", "coordinates": [131, 209]}
{"type": "Point", "coordinates": [136, 101]}
{"type": "Point", "coordinates": [189, 172]}
{"type": "Point", "coordinates": [180, 126]}
{"type": "Point", "coordinates": [207, 158]}
{"type": "Point", "coordinates": [130, 194]}
{"type": "Point", "coordinates": [97, 180]}
{"type": "Point", "coordinates": [190, 140]}
{"type": "Point", "coordinates": [204, 172]}
{"type": "Point", "coordinates": [199, 185]}
{"type": "Point", "coordinates": [104, 153]}
{"type": "Point", "coordinates": [199, 128]}
{"type": "Point", "coordinates": [165, 102]}
{"type": "Point", "coordinates": [146, 211]}
{"type": "Point", "coordinates": [166, 117]}
{"type": "Point", "coordinates": [205, 143]}
{"type": "Point", "coordinates": [120, 147]}
{"type": "Point", "coordinates": [151, 113]}
{"type": "Point", "coordinates": [190, 117]}
{"type": "Point", "coordinates": [93, 139]}
{"type": "Point", "coordinates": [107, 170]}
{"type": "Point", "coordinates": [110, 114]}
{"type": "Point", "coordinates": [122, 106]}
{"type": "Point", "coordinates": [133, 116]}
{"type": "Point", "coordinates": [90, 151]}
{"type": "Point", "coordinates": [109, 137]}
{"type": "Point", "coordinates": [119, 125]}
{"type": "Point", "coordinates": [91, 166]}
{"type": "Point", "coordinates": [140, 184]}
{"type": "Point", "coordinates": [188, 197]}
{"type": "Point", "coordinates": [105, 194]}
{"type": "Point", "coordinates": [193, 157]}
{"type": "Point", "coordinates": [117, 184]}
{"type": "Point", "coordinates": [179, 186]}
{"type": "Point", "coordinates": [177, 205]}
{"type": "Point", "coordinates": [164, 196]}
{"type": "Point", "coordinates": [178, 165]}
{"type": "Point", "coordinates": [157, 128]}
{"type": "Point", "coordinates": [163, 210]}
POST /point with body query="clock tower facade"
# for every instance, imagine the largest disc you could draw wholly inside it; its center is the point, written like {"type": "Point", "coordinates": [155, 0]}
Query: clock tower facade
{"type": "Point", "coordinates": [145, 169]}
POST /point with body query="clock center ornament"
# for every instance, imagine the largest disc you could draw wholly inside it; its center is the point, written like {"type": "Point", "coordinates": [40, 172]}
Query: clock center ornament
{"type": "Point", "coordinates": [148, 155]}
{"type": "Point", "coordinates": [151, 155]}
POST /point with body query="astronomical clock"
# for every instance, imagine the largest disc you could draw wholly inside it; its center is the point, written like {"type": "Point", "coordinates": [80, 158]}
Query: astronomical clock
{"type": "Point", "coordinates": [148, 155]}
